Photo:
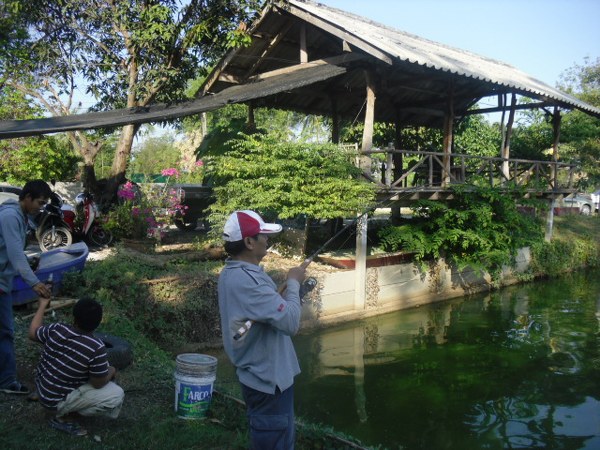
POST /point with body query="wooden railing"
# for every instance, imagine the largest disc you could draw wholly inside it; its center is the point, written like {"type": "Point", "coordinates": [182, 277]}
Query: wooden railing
{"type": "Point", "coordinates": [438, 171]}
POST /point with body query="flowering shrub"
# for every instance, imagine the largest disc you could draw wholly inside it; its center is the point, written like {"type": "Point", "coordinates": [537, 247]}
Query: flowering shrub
{"type": "Point", "coordinates": [145, 211]}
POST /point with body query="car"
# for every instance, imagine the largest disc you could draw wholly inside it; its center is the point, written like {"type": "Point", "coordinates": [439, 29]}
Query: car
{"type": "Point", "coordinates": [584, 202]}
{"type": "Point", "coordinates": [7, 191]}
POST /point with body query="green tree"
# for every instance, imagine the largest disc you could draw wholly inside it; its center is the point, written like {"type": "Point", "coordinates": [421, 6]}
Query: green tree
{"type": "Point", "coordinates": [124, 53]}
{"type": "Point", "coordinates": [581, 132]}
{"type": "Point", "coordinates": [286, 179]}
{"type": "Point", "coordinates": [25, 159]}
{"type": "Point", "coordinates": [476, 136]}
{"type": "Point", "coordinates": [155, 154]}
{"type": "Point", "coordinates": [227, 123]}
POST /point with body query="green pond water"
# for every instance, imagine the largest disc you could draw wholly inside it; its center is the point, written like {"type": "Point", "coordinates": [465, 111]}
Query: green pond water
{"type": "Point", "coordinates": [517, 368]}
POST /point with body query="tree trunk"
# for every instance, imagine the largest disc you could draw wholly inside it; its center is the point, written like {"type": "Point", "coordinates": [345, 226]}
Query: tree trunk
{"type": "Point", "coordinates": [120, 163]}
{"type": "Point", "coordinates": [89, 151]}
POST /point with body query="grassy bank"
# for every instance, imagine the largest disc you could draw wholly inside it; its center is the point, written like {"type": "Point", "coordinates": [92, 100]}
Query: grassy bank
{"type": "Point", "coordinates": [159, 318]}
{"type": "Point", "coordinates": [162, 305]}
{"type": "Point", "coordinates": [575, 244]}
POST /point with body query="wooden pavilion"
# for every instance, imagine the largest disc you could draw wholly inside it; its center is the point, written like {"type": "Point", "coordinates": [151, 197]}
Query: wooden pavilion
{"type": "Point", "coordinates": [314, 59]}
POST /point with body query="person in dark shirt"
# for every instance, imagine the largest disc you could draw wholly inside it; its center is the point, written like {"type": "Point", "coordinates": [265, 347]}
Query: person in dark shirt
{"type": "Point", "coordinates": [73, 375]}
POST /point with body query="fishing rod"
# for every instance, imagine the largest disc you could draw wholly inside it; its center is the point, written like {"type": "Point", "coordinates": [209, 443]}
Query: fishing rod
{"type": "Point", "coordinates": [311, 281]}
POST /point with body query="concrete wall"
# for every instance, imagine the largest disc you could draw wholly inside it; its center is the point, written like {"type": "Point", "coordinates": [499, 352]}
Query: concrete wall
{"type": "Point", "coordinates": [397, 287]}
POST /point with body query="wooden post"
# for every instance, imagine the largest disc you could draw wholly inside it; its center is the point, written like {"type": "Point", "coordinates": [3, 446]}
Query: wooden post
{"type": "Point", "coordinates": [335, 121]}
{"type": "Point", "coordinates": [360, 285]}
{"type": "Point", "coordinates": [389, 162]}
{"type": "Point", "coordinates": [398, 170]}
{"type": "Point", "coordinates": [448, 135]}
{"type": "Point", "coordinates": [251, 123]}
{"type": "Point", "coordinates": [550, 221]}
{"type": "Point", "coordinates": [506, 139]}
{"type": "Point", "coordinates": [502, 104]}
{"type": "Point", "coordinates": [556, 119]}
{"type": "Point", "coordinates": [303, 50]}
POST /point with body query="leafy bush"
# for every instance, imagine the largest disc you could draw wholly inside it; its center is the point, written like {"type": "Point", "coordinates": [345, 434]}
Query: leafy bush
{"type": "Point", "coordinates": [480, 228]}
{"type": "Point", "coordinates": [287, 179]}
{"type": "Point", "coordinates": [574, 246]}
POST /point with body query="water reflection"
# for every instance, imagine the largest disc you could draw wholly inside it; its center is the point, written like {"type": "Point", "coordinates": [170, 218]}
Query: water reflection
{"type": "Point", "coordinates": [515, 369]}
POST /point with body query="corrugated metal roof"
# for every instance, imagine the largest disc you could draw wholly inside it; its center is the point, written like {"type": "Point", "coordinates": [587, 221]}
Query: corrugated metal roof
{"type": "Point", "coordinates": [417, 50]}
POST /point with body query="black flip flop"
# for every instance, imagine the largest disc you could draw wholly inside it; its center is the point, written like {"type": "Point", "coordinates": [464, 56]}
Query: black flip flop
{"type": "Point", "coordinates": [15, 388]}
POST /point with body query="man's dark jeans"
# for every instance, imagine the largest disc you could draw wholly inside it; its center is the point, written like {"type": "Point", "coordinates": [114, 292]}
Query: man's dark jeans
{"type": "Point", "coordinates": [271, 418]}
{"type": "Point", "coordinates": [8, 363]}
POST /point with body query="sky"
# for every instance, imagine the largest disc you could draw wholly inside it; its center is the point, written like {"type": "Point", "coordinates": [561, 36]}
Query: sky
{"type": "Point", "coordinates": [542, 38]}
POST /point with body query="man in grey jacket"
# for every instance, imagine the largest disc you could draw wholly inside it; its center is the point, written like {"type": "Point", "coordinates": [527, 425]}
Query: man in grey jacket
{"type": "Point", "coordinates": [13, 229]}
{"type": "Point", "coordinates": [257, 323]}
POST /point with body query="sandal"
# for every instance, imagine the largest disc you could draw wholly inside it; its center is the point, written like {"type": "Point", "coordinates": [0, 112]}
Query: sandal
{"type": "Point", "coordinates": [34, 396]}
{"type": "Point", "coordinates": [72, 428]}
{"type": "Point", "coordinates": [15, 388]}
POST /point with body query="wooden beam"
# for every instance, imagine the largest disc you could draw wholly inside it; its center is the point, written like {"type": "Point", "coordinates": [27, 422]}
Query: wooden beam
{"type": "Point", "coordinates": [269, 48]}
{"type": "Point", "coordinates": [334, 60]}
{"type": "Point", "coordinates": [338, 32]}
{"type": "Point", "coordinates": [215, 74]}
{"type": "Point", "coordinates": [501, 108]}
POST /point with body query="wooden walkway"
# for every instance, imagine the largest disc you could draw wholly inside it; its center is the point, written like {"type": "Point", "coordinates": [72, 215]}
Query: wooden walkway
{"type": "Point", "coordinates": [432, 175]}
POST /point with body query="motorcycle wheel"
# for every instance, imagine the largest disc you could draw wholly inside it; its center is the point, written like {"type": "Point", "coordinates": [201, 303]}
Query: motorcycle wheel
{"type": "Point", "coordinates": [185, 226]}
{"type": "Point", "coordinates": [100, 237]}
{"type": "Point", "coordinates": [51, 239]}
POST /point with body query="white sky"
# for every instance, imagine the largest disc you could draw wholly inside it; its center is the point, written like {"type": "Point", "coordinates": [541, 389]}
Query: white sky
{"type": "Point", "coordinates": [543, 38]}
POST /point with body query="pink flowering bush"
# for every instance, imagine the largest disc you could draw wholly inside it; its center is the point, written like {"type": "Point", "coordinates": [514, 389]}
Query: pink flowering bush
{"type": "Point", "coordinates": [172, 172]}
{"type": "Point", "coordinates": [145, 211]}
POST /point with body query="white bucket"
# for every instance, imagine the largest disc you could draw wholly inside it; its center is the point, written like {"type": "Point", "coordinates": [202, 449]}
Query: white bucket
{"type": "Point", "coordinates": [194, 379]}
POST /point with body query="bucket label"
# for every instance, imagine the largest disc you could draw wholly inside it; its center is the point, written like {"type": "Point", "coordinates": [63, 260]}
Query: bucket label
{"type": "Point", "coordinates": [192, 400]}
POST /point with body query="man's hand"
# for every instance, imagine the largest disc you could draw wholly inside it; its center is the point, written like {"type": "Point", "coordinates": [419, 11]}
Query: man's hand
{"type": "Point", "coordinates": [42, 290]}
{"type": "Point", "coordinates": [297, 273]}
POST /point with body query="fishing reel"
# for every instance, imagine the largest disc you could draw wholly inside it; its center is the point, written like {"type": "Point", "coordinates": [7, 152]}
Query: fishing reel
{"type": "Point", "coordinates": [307, 285]}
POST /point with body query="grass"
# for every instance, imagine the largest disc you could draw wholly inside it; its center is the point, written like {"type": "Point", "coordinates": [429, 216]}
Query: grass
{"type": "Point", "coordinates": [154, 320]}
{"type": "Point", "coordinates": [133, 310]}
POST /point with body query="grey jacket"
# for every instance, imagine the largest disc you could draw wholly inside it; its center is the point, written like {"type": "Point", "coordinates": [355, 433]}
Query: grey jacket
{"type": "Point", "coordinates": [13, 229]}
{"type": "Point", "coordinates": [264, 356]}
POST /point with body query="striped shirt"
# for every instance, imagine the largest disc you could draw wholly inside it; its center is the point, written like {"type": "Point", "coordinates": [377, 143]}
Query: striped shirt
{"type": "Point", "coordinates": [68, 360]}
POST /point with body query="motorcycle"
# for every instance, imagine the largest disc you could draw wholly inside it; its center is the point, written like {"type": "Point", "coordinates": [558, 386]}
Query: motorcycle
{"type": "Point", "coordinates": [51, 229]}
{"type": "Point", "coordinates": [84, 221]}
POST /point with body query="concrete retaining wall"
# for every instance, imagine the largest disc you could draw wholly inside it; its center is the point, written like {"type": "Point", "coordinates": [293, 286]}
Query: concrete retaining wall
{"type": "Point", "coordinates": [397, 287]}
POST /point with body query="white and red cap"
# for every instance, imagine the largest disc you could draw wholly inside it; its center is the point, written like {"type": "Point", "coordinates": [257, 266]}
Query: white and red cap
{"type": "Point", "coordinates": [243, 224]}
